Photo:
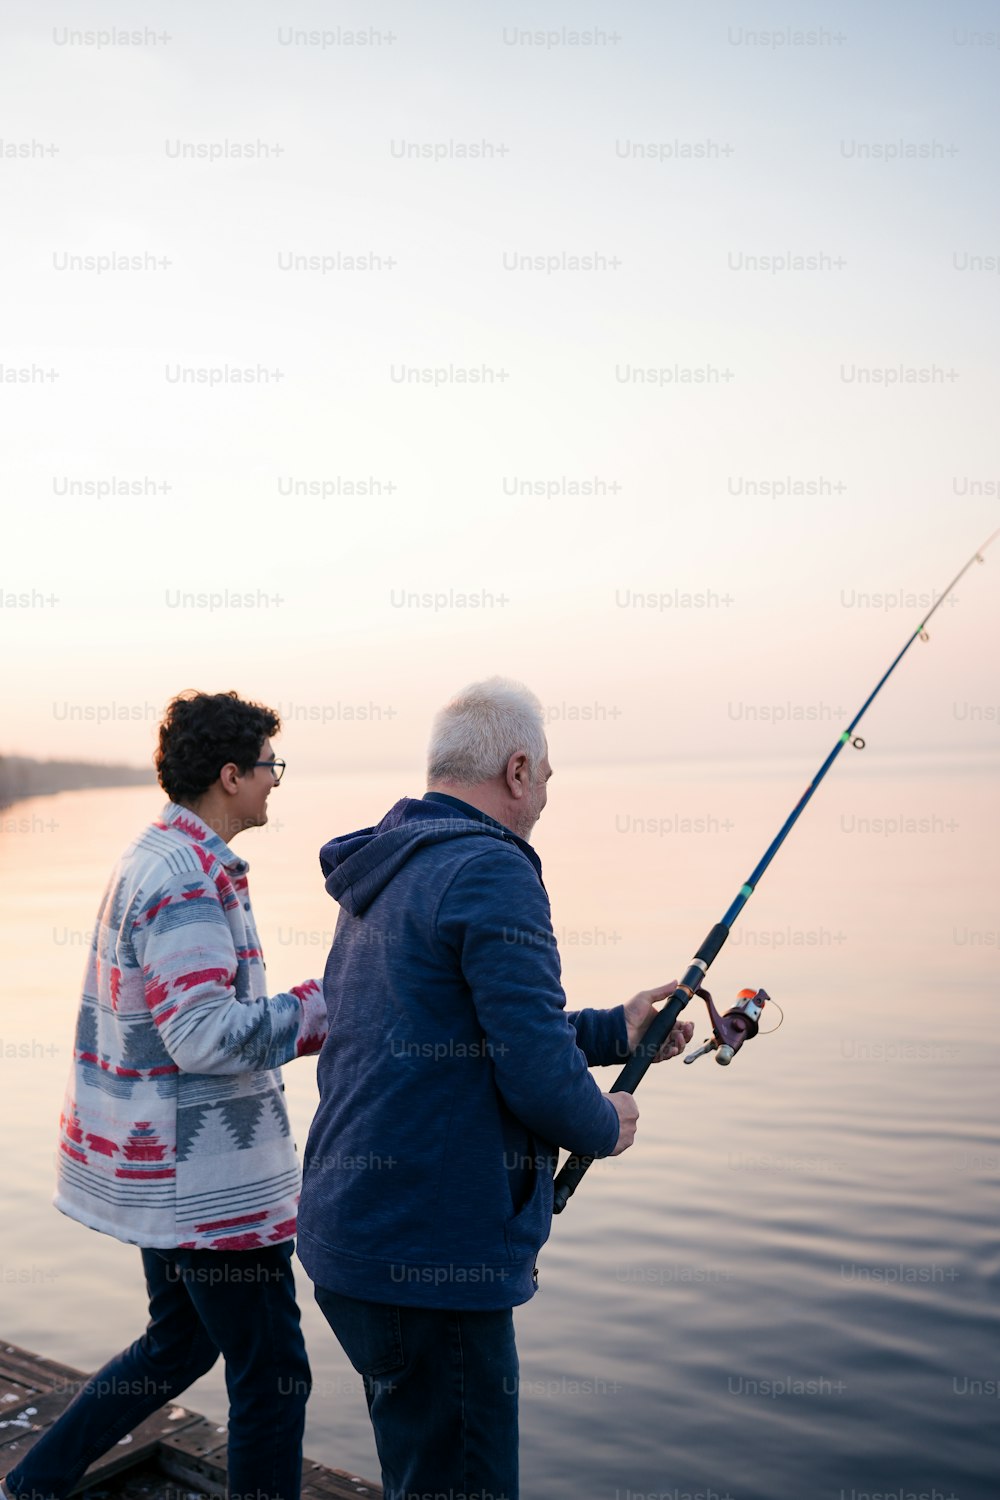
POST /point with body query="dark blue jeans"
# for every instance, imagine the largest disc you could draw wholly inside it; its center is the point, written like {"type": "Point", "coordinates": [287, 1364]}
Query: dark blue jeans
{"type": "Point", "coordinates": [442, 1395]}
{"type": "Point", "coordinates": [202, 1303]}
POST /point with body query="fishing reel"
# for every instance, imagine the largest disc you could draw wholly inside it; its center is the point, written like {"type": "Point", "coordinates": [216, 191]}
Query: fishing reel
{"type": "Point", "coordinates": [739, 1024]}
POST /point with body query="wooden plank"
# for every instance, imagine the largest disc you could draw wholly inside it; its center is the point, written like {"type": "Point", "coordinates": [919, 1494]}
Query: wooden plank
{"type": "Point", "coordinates": [17, 1429]}
{"type": "Point", "coordinates": [321, 1483]}
{"type": "Point", "coordinates": [147, 1482]}
{"type": "Point", "coordinates": [142, 1442]}
{"type": "Point", "coordinates": [32, 1415]}
{"type": "Point", "coordinates": [55, 1385]}
{"type": "Point", "coordinates": [192, 1474]}
{"type": "Point", "coordinates": [13, 1396]}
{"type": "Point", "coordinates": [197, 1438]}
{"type": "Point", "coordinates": [196, 1456]}
{"type": "Point", "coordinates": [12, 1391]}
{"type": "Point", "coordinates": [27, 1423]}
{"type": "Point", "coordinates": [34, 1369]}
{"type": "Point", "coordinates": [51, 1405]}
{"type": "Point", "coordinates": [175, 1443]}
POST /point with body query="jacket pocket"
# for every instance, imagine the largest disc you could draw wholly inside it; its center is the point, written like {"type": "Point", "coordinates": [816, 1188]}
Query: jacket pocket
{"type": "Point", "coordinates": [528, 1229]}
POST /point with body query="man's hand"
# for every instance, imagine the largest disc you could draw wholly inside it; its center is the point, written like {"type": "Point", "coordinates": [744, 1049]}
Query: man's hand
{"type": "Point", "coordinates": [639, 1013]}
{"type": "Point", "coordinates": [628, 1115]}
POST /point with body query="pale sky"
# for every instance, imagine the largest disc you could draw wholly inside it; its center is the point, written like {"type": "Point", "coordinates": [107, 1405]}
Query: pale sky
{"type": "Point", "coordinates": [785, 216]}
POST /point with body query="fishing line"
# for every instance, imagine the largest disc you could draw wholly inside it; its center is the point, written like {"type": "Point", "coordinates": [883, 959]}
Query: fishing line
{"type": "Point", "coordinates": [740, 1023]}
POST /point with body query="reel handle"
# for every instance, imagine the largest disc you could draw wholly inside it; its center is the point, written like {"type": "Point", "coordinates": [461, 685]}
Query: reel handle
{"type": "Point", "coordinates": [740, 1024]}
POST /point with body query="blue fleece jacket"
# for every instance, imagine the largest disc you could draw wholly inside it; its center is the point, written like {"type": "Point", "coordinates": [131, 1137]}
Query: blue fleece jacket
{"type": "Point", "coordinates": [452, 1070]}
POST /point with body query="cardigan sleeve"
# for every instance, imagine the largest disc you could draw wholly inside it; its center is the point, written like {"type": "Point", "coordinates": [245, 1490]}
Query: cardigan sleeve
{"type": "Point", "coordinates": [190, 967]}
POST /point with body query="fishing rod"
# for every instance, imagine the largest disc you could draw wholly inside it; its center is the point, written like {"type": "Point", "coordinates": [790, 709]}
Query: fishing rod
{"type": "Point", "coordinates": [742, 1022]}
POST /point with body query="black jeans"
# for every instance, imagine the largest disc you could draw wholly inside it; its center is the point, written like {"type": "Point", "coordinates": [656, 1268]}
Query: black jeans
{"type": "Point", "coordinates": [202, 1303]}
{"type": "Point", "coordinates": [442, 1395]}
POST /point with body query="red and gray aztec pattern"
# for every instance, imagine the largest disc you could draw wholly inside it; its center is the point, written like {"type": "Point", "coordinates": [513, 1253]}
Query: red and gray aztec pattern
{"type": "Point", "coordinates": [174, 1131]}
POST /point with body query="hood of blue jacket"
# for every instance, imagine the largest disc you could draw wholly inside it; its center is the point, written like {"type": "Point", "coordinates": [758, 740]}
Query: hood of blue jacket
{"type": "Point", "coordinates": [358, 866]}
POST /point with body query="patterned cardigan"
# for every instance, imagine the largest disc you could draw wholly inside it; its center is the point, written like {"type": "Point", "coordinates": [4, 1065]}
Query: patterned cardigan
{"type": "Point", "coordinates": [174, 1132]}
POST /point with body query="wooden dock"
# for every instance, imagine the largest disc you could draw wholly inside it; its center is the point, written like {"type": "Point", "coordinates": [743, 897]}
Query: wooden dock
{"type": "Point", "coordinates": [174, 1447]}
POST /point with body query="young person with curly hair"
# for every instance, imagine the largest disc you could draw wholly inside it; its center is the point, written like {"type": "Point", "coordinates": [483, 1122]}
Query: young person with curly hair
{"type": "Point", "coordinates": [174, 1134]}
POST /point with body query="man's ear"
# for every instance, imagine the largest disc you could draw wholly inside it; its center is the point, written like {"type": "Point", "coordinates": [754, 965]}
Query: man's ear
{"type": "Point", "coordinates": [229, 778]}
{"type": "Point", "coordinates": [517, 774]}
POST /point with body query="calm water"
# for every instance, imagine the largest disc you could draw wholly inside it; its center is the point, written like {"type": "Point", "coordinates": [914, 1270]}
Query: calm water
{"type": "Point", "coordinates": [784, 1289]}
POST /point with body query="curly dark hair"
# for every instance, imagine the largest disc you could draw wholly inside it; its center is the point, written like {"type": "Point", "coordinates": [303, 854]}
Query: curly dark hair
{"type": "Point", "coordinates": [201, 733]}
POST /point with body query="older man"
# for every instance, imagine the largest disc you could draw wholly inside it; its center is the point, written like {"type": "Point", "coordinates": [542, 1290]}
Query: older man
{"type": "Point", "coordinates": [455, 1075]}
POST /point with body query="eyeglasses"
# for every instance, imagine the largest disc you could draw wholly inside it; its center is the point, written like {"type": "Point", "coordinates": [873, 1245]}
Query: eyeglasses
{"type": "Point", "coordinates": [276, 768]}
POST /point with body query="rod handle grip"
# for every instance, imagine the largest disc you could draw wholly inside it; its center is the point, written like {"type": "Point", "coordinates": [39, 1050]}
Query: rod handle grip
{"type": "Point", "coordinates": [574, 1168]}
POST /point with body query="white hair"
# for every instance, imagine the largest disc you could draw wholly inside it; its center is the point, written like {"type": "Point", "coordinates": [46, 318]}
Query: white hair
{"type": "Point", "coordinates": [474, 736]}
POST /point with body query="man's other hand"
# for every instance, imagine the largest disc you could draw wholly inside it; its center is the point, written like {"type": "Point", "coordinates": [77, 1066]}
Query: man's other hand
{"type": "Point", "coordinates": [628, 1117]}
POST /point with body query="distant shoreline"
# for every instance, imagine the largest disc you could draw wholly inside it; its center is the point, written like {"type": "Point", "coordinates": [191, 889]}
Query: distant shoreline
{"type": "Point", "coordinates": [22, 777]}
